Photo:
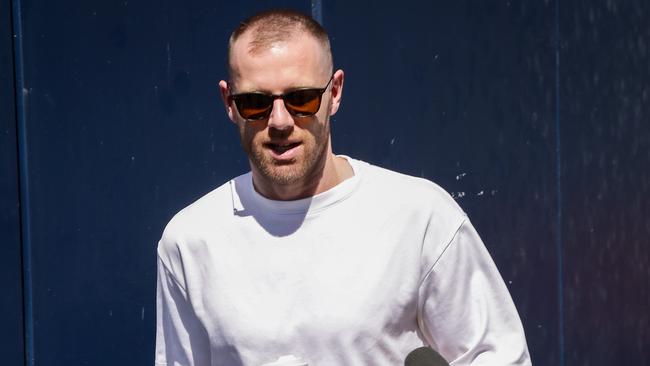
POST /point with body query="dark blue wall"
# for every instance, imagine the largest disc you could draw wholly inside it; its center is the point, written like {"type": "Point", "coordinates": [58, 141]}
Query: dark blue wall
{"type": "Point", "coordinates": [534, 115]}
{"type": "Point", "coordinates": [11, 303]}
{"type": "Point", "coordinates": [605, 126]}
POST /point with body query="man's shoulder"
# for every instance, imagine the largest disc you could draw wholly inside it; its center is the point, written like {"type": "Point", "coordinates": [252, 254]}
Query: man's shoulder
{"type": "Point", "coordinates": [212, 209]}
{"type": "Point", "coordinates": [409, 190]}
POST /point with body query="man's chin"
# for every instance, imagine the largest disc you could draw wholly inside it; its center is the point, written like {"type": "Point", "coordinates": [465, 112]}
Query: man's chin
{"type": "Point", "coordinates": [282, 163]}
{"type": "Point", "coordinates": [283, 172]}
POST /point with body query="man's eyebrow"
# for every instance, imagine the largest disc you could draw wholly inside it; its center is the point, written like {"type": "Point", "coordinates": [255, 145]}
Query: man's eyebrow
{"type": "Point", "coordinates": [265, 91]}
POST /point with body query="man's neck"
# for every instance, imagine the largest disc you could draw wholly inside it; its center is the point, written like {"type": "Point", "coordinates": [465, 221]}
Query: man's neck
{"type": "Point", "coordinates": [335, 170]}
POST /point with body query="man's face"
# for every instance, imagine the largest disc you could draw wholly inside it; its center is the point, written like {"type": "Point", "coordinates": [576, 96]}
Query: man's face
{"type": "Point", "coordinates": [283, 149]}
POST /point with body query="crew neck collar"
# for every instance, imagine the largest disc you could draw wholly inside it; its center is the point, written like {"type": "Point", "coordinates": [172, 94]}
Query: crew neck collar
{"type": "Point", "coordinates": [248, 196]}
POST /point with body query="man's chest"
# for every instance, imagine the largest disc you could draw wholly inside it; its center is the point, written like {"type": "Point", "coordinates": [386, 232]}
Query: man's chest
{"type": "Point", "coordinates": [261, 288]}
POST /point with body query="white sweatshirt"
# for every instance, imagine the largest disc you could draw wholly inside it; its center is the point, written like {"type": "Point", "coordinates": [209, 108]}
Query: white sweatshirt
{"type": "Point", "coordinates": [361, 274]}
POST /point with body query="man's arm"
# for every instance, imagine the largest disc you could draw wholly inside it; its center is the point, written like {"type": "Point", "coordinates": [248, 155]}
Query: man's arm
{"type": "Point", "coordinates": [465, 310]}
{"type": "Point", "coordinates": [180, 337]}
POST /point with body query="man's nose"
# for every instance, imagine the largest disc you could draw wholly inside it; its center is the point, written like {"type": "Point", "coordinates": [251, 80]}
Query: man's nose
{"type": "Point", "coordinates": [280, 118]}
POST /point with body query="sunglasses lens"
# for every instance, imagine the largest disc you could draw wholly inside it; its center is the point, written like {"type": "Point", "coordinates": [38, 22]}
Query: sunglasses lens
{"type": "Point", "coordinates": [303, 102]}
{"type": "Point", "coordinates": [257, 106]}
{"type": "Point", "coordinates": [254, 105]}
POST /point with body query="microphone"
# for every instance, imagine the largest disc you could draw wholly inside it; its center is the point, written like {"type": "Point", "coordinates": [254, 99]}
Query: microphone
{"type": "Point", "coordinates": [424, 356]}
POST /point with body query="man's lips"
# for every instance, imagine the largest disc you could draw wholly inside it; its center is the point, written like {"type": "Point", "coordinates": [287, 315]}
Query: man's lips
{"type": "Point", "coordinates": [283, 150]}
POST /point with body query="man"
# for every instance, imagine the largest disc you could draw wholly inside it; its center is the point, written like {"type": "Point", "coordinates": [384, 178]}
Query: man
{"type": "Point", "coordinates": [315, 256]}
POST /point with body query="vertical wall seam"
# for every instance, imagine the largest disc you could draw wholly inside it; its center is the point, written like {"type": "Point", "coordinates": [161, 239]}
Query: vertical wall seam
{"type": "Point", "coordinates": [23, 176]}
{"type": "Point", "coordinates": [317, 11]}
{"type": "Point", "coordinates": [558, 187]}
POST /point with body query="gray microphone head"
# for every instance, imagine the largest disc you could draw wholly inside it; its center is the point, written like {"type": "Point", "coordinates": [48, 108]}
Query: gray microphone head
{"type": "Point", "coordinates": [424, 356]}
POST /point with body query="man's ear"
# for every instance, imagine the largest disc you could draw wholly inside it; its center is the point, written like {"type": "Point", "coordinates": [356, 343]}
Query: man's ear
{"type": "Point", "coordinates": [227, 101]}
{"type": "Point", "coordinates": [337, 91]}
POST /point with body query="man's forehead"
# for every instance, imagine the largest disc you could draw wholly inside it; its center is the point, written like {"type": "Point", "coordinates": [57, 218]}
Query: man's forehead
{"type": "Point", "coordinates": [253, 43]}
{"type": "Point", "coordinates": [298, 52]}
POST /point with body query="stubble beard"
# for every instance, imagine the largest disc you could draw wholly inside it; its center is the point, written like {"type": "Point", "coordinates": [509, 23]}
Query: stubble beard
{"type": "Point", "coordinates": [309, 163]}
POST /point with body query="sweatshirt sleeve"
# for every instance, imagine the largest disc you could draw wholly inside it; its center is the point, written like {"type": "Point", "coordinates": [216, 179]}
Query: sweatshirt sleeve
{"type": "Point", "coordinates": [181, 339]}
{"type": "Point", "coordinates": [465, 310]}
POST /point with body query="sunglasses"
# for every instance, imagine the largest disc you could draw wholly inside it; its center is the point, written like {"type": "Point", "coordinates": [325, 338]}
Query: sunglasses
{"type": "Point", "coordinates": [301, 102]}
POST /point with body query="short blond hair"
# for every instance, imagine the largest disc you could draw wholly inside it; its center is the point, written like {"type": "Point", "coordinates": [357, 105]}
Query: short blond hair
{"type": "Point", "coordinates": [274, 26]}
